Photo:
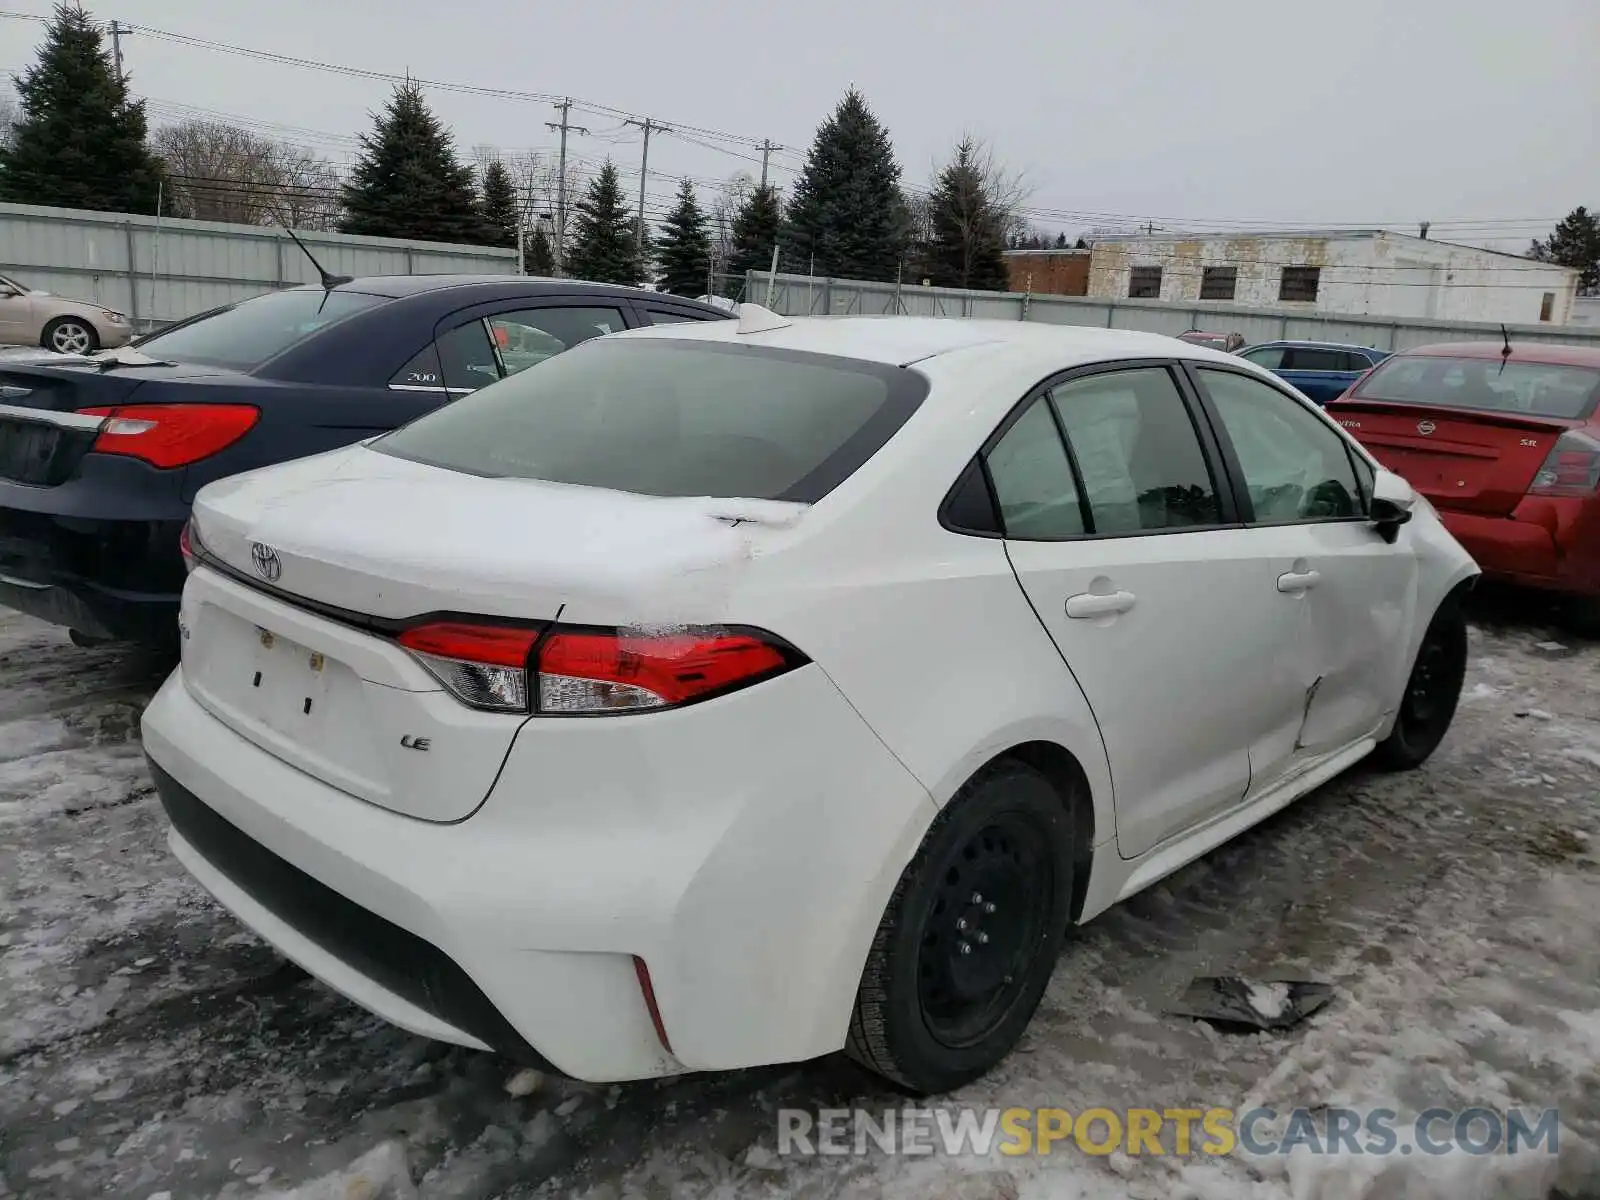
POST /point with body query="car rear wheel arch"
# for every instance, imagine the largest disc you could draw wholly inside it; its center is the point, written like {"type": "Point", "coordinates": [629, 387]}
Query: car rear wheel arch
{"type": "Point", "coordinates": [1071, 783]}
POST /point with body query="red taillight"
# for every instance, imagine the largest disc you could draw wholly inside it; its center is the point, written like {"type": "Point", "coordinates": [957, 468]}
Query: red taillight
{"type": "Point", "coordinates": [485, 666]}
{"type": "Point", "coordinates": [186, 546]}
{"type": "Point", "coordinates": [1572, 468]}
{"type": "Point", "coordinates": [582, 672]}
{"type": "Point", "coordinates": [171, 435]}
{"type": "Point", "coordinates": [590, 672]}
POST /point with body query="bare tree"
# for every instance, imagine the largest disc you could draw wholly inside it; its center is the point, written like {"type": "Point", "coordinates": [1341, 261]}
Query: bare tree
{"type": "Point", "coordinates": [222, 172]}
{"type": "Point", "coordinates": [724, 208]}
{"type": "Point", "coordinates": [535, 177]}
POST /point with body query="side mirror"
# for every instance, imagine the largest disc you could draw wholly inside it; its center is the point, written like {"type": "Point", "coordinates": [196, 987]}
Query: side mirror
{"type": "Point", "coordinates": [1392, 501]}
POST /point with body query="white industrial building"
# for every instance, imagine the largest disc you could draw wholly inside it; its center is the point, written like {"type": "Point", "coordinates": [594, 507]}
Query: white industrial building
{"type": "Point", "coordinates": [1361, 272]}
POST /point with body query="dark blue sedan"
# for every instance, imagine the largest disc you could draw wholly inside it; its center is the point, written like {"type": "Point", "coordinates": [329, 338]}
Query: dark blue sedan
{"type": "Point", "coordinates": [101, 457]}
{"type": "Point", "coordinates": [1321, 370]}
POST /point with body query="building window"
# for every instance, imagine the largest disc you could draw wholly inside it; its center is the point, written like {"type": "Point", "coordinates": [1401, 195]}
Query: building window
{"type": "Point", "coordinates": [1547, 306]}
{"type": "Point", "coordinates": [1144, 283]}
{"type": "Point", "coordinates": [1299, 283]}
{"type": "Point", "coordinates": [1218, 283]}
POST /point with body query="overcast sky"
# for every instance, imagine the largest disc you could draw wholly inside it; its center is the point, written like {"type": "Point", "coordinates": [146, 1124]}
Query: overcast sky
{"type": "Point", "coordinates": [1199, 115]}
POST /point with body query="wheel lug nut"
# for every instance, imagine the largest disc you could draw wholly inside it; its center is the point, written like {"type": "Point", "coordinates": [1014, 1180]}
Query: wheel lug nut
{"type": "Point", "coordinates": [989, 908]}
{"type": "Point", "coordinates": [977, 897]}
{"type": "Point", "coordinates": [983, 939]}
{"type": "Point", "coordinates": [962, 924]}
{"type": "Point", "coordinates": [966, 947]}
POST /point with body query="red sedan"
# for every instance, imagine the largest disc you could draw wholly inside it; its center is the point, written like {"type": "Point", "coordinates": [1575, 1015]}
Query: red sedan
{"type": "Point", "coordinates": [1505, 442]}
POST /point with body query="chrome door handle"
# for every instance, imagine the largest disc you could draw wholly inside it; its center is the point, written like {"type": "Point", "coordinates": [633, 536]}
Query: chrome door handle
{"type": "Point", "coordinates": [1294, 582]}
{"type": "Point", "coordinates": [1087, 605]}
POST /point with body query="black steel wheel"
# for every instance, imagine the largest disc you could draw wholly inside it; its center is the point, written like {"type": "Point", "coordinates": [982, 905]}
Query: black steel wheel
{"type": "Point", "coordinates": [1432, 692]}
{"type": "Point", "coordinates": [971, 935]}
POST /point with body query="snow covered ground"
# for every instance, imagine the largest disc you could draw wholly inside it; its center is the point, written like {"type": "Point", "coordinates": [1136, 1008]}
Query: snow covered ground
{"type": "Point", "coordinates": [150, 1048]}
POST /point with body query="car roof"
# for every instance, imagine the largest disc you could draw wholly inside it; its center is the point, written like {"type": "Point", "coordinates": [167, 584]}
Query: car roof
{"type": "Point", "coordinates": [398, 286]}
{"type": "Point", "coordinates": [1554, 353]}
{"type": "Point", "coordinates": [901, 341]}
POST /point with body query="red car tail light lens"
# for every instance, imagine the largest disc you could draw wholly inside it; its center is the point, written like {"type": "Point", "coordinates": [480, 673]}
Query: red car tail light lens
{"type": "Point", "coordinates": [570, 671]}
{"type": "Point", "coordinates": [1572, 468]}
{"type": "Point", "coordinates": [484, 666]}
{"type": "Point", "coordinates": [187, 545]}
{"type": "Point", "coordinates": [171, 435]}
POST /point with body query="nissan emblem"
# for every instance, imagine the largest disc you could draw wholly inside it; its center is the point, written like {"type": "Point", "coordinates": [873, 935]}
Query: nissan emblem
{"type": "Point", "coordinates": [266, 562]}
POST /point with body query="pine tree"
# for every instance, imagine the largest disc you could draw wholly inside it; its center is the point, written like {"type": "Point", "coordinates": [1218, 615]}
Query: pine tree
{"type": "Point", "coordinates": [80, 141]}
{"type": "Point", "coordinates": [537, 256]}
{"type": "Point", "coordinates": [845, 216]}
{"type": "Point", "coordinates": [684, 249]}
{"type": "Point", "coordinates": [1574, 243]}
{"type": "Point", "coordinates": [756, 229]}
{"type": "Point", "coordinates": [408, 182]}
{"type": "Point", "coordinates": [604, 249]}
{"type": "Point", "coordinates": [968, 241]}
{"type": "Point", "coordinates": [499, 206]}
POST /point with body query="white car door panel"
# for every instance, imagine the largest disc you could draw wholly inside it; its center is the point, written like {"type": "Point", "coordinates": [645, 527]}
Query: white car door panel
{"type": "Point", "coordinates": [1169, 619]}
{"type": "Point", "coordinates": [1350, 587]}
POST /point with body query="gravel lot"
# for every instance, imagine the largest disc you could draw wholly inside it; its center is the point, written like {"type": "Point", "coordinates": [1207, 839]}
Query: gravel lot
{"type": "Point", "coordinates": [150, 1047]}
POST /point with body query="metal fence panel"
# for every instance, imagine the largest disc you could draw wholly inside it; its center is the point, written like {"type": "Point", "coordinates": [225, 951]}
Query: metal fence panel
{"type": "Point", "coordinates": [799, 295]}
{"type": "Point", "coordinates": [158, 271]}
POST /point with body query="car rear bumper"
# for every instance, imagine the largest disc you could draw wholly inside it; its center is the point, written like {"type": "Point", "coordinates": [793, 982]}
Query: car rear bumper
{"type": "Point", "coordinates": [747, 871]}
{"type": "Point", "coordinates": [1550, 544]}
{"type": "Point", "coordinates": [97, 555]}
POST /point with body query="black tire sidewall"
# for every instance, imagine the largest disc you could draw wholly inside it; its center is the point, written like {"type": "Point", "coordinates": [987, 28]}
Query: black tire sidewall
{"type": "Point", "coordinates": [927, 1064]}
{"type": "Point", "coordinates": [1404, 748]}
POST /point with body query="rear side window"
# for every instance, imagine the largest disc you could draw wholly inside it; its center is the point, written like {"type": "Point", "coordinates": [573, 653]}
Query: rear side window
{"type": "Point", "coordinates": [1032, 479]}
{"type": "Point", "coordinates": [1541, 389]}
{"type": "Point", "coordinates": [670, 418]}
{"type": "Point", "coordinates": [533, 335]}
{"type": "Point", "coordinates": [1313, 358]}
{"type": "Point", "coordinates": [245, 335]}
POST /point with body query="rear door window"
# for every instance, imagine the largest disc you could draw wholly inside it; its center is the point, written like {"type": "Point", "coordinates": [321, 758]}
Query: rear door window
{"type": "Point", "coordinates": [673, 418]}
{"type": "Point", "coordinates": [1138, 456]}
{"type": "Point", "coordinates": [1313, 358]}
{"type": "Point", "coordinates": [1033, 480]}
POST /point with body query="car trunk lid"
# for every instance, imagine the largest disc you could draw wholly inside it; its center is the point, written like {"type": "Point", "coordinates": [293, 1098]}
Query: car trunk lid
{"type": "Point", "coordinates": [324, 562]}
{"type": "Point", "coordinates": [1477, 461]}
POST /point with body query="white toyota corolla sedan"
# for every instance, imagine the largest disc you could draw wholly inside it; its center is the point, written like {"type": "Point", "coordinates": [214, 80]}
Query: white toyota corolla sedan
{"type": "Point", "coordinates": [725, 694]}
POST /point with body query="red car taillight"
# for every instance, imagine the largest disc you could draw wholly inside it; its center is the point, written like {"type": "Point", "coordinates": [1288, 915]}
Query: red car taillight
{"type": "Point", "coordinates": [171, 435]}
{"type": "Point", "coordinates": [186, 541]}
{"type": "Point", "coordinates": [568, 671]}
{"type": "Point", "coordinates": [1572, 468]}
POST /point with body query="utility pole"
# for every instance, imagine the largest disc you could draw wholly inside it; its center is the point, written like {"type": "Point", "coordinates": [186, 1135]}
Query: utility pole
{"type": "Point", "coordinates": [557, 251]}
{"type": "Point", "coordinates": [644, 172]}
{"type": "Point", "coordinates": [116, 31]}
{"type": "Point", "coordinates": [766, 151]}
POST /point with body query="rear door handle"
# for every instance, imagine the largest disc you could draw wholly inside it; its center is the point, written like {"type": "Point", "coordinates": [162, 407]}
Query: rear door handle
{"type": "Point", "coordinates": [1294, 582]}
{"type": "Point", "coordinates": [1087, 605]}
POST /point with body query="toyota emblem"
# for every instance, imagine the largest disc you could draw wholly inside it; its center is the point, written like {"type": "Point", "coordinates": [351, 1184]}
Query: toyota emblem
{"type": "Point", "coordinates": [1426, 427]}
{"type": "Point", "coordinates": [266, 562]}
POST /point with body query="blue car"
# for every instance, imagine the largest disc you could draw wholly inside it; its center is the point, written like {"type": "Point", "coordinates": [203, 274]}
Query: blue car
{"type": "Point", "coordinates": [1322, 370]}
{"type": "Point", "coordinates": [101, 456]}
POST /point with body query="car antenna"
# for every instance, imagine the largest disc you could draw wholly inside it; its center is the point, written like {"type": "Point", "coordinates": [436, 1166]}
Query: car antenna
{"type": "Point", "coordinates": [1505, 354]}
{"type": "Point", "coordinates": [329, 281]}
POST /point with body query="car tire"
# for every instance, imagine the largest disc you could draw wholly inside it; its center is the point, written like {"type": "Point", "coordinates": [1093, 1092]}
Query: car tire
{"type": "Point", "coordinates": [1432, 691]}
{"type": "Point", "coordinates": [70, 335]}
{"type": "Point", "coordinates": [930, 1015]}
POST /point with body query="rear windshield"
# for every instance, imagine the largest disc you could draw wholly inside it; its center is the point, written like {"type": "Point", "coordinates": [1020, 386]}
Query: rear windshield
{"type": "Point", "coordinates": [670, 418]}
{"type": "Point", "coordinates": [245, 335]}
{"type": "Point", "coordinates": [1539, 389]}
